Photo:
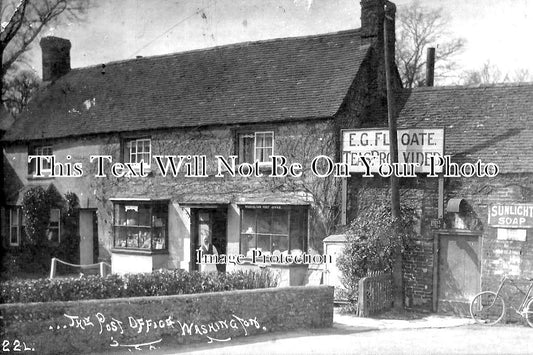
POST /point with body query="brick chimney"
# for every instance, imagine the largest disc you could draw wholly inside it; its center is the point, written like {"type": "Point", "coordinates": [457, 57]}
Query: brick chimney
{"type": "Point", "coordinates": [56, 57]}
{"type": "Point", "coordinates": [372, 15]}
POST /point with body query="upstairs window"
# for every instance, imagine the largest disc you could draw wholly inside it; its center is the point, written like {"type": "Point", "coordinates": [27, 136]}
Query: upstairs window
{"type": "Point", "coordinates": [137, 150]}
{"type": "Point", "coordinates": [254, 146]}
{"type": "Point", "coordinates": [40, 150]}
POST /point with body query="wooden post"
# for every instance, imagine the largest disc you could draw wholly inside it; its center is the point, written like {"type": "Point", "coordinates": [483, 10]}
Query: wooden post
{"type": "Point", "coordinates": [53, 268]}
{"type": "Point", "coordinates": [344, 201]}
{"type": "Point", "coordinates": [102, 269]}
{"type": "Point", "coordinates": [430, 74]}
{"type": "Point", "coordinates": [397, 273]}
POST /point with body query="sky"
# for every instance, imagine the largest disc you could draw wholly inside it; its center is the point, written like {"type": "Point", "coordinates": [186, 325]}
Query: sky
{"type": "Point", "coordinates": [495, 30]}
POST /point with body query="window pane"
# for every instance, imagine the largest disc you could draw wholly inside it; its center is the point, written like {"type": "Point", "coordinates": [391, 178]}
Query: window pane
{"type": "Point", "coordinates": [132, 235]}
{"type": "Point", "coordinates": [13, 239]}
{"type": "Point", "coordinates": [264, 221]}
{"type": "Point", "coordinates": [145, 239]}
{"type": "Point", "coordinates": [280, 222]}
{"type": "Point", "coordinates": [263, 243]}
{"type": "Point", "coordinates": [53, 234]}
{"type": "Point", "coordinates": [280, 244]}
{"type": "Point", "coordinates": [259, 140]}
{"type": "Point", "coordinates": [120, 215]}
{"type": "Point", "coordinates": [268, 139]}
{"type": "Point", "coordinates": [248, 221]}
{"type": "Point", "coordinates": [262, 155]}
{"type": "Point", "coordinates": [144, 215]}
{"type": "Point", "coordinates": [146, 144]}
{"type": "Point", "coordinates": [145, 158]}
{"type": "Point", "coordinates": [14, 218]}
{"type": "Point", "coordinates": [54, 215]}
{"type": "Point", "coordinates": [248, 242]}
{"type": "Point", "coordinates": [132, 213]}
{"type": "Point", "coordinates": [120, 237]}
{"type": "Point", "coordinates": [298, 229]}
{"type": "Point", "coordinates": [246, 148]}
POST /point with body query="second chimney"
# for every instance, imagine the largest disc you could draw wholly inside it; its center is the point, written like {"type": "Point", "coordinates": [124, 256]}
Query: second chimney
{"type": "Point", "coordinates": [56, 57]}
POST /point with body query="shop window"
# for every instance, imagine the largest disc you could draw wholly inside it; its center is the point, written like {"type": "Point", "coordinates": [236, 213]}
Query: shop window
{"type": "Point", "coordinates": [254, 146]}
{"type": "Point", "coordinates": [276, 229]}
{"type": "Point", "coordinates": [140, 226]}
{"type": "Point", "coordinates": [17, 224]}
{"type": "Point", "coordinates": [40, 150]}
{"type": "Point", "coordinates": [54, 226]}
{"type": "Point", "coordinates": [137, 150]}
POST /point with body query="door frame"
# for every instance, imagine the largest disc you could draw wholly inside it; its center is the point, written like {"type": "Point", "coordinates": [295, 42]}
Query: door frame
{"type": "Point", "coordinates": [436, 257]}
{"type": "Point", "coordinates": [212, 209]}
{"type": "Point", "coordinates": [94, 214]}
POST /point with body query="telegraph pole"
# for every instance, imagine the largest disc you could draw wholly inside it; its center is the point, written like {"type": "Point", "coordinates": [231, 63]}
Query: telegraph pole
{"type": "Point", "coordinates": [397, 273]}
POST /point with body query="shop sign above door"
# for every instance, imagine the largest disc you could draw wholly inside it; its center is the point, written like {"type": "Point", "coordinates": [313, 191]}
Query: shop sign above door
{"type": "Point", "coordinates": [519, 215]}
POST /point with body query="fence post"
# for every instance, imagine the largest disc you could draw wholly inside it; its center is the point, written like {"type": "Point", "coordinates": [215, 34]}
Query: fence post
{"type": "Point", "coordinates": [102, 269]}
{"type": "Point", "coordinates": [53, 268]}
{"type": "Point", "coordinates": [361, 299]}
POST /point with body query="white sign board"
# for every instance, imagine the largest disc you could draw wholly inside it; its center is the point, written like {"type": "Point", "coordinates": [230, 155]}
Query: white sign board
{"type": "Point", "coordinates": [415, 145]}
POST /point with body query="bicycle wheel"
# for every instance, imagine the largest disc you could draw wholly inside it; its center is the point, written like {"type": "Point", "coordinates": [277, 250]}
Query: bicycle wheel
{"type": "Point", "coordinates": [487, 308]}
{"type": "Point", "coordinates": [529, 312]}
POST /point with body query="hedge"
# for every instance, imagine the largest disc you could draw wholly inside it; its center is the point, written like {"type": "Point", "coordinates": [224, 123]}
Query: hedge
{"type": "Point", "coordinates": [158, 283]}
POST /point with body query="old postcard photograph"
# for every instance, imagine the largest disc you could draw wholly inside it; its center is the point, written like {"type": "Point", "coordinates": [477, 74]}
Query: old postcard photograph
{"type": "Point", "coordinates": [266, 177]}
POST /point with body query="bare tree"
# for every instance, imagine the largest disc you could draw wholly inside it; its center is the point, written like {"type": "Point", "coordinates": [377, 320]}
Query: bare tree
{"type": "Point", "coordinates": [521, 75]}
{"type": "Point", "coordinates": [487, 74]}
{"type": "Point", "coordinates": [491, 74]}
{"type": "Point", "coordinates": [18, 90]}
{"type": "Point", "coordinates": [419, 27]}
{"type": "Point", "coordinates": [24, 20]}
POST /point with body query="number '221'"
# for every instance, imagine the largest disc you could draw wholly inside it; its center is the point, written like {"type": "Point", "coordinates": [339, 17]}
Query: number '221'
{"type": "Point", "coordinates": [17, 346]}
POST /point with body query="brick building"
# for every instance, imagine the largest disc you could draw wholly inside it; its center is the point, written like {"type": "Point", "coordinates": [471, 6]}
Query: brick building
{"type": "Point", "coordinates": [467, 252]}
{"type": "Point", "coordinates": [285, 97]}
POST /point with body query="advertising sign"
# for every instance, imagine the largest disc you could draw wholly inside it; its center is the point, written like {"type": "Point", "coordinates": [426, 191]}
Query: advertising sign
{"type": "Point", "coordinates": [415, 145]}
{"type": "Point", "coordinates": [519, 215]}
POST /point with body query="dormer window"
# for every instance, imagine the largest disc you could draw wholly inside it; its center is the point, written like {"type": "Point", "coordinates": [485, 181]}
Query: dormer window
{"type": "Point", "coordinates": [256, 146]}
{"type": "Point", "coordinates": [40, 150]}
{"type": "Point", "coordinates": [137, 150]}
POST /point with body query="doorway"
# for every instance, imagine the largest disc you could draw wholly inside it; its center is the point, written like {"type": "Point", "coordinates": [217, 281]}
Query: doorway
{"type": "Point", "coordinates": [88, 237]}
{"type": "Point", "coordinates": [459, 271]}
{"type": "Point", "coordinates": [210, 223]}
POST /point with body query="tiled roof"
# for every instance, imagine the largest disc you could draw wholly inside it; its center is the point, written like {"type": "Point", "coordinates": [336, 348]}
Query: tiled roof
{"type": "Point", "coordinates": [282, 79]}
{"type": "Point", "coordinates": [491, 123]}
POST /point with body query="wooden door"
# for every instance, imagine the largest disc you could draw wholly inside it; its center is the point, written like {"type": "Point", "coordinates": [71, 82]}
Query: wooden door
{"type": "Point", "coordinates": [86, 227]}
{"type": "Point", "coordinates": [459, 271]}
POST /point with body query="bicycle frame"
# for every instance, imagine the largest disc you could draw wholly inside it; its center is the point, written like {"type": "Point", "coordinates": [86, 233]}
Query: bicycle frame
{"type": "Point", "coordinates": [520, 308]}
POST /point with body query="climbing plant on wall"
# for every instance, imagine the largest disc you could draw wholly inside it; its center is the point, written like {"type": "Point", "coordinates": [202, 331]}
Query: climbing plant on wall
{"type": "Point", "coordinates": [36, 209]}
{"type": "Point", "coordinates": [371, 242]}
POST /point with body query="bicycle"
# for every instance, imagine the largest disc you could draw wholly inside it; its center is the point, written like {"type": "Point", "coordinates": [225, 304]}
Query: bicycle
{"type": "Point", "coordinates": [488, 307]}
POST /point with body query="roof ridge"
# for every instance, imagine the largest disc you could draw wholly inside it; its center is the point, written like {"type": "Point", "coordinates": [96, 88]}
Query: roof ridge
{"type": "Point", "coordinates": [352, 31]}
{"type": "Point", "coordinates": [469, 87]}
